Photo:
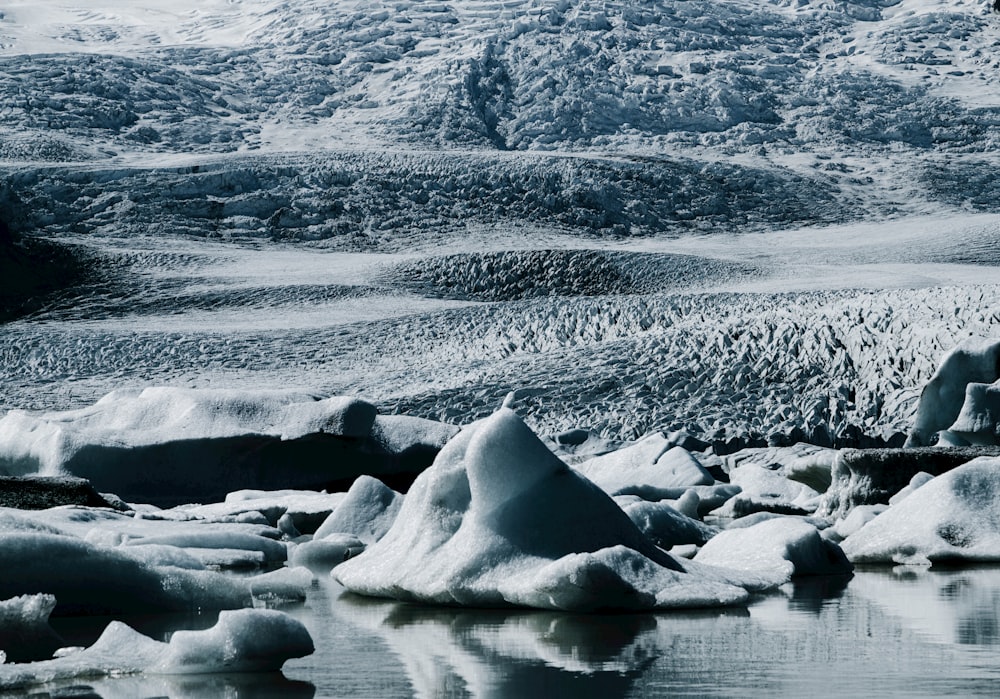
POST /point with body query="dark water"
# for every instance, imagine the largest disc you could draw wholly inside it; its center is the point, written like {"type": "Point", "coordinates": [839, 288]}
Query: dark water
{"type": "Point", "coordinates": [884, 634]}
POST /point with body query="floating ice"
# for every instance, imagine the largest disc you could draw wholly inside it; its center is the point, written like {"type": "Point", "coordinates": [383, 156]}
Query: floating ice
{"type": "Point", "coordinates": [246, 640]}
{"type": "Point", "coordinates": [173, 445]}
{"type": "Point", "coordinates": [25, 634]}
{"type": "Point", "coordinates": [499, 520]}
{"type": "Point", "coordinates": [974, 361]}
{"type": "Point", "coordinates": [116, 580]}
{"type": "Point", "coordinates": [777, 549]}
{"type": "Point", "coordinates": [765, 490]}
{"type": "Point", "coordinates": [367, 511]}
{"type": "Point", "coordinates": [953, 517]}
{"type": "Point", "coordinates": [650, 467]}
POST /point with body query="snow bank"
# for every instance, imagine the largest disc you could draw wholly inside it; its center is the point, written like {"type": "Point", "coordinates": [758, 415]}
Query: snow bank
{"type": "Point", "coordinates": [954, 517]}
{"type": "Point", "coordinates": [974, 361]}
{"type": "Point", "coordinates": [180, 445]}
{"type": "Point", "coordinates": [246, 640]}
{"type": "Point", "coordinates": [499, 520]}
{"type": "Point", "coordinates": [777, 549]}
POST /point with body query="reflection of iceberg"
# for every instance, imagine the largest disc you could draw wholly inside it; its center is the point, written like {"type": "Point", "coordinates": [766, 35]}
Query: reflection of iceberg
{"type": "Point", "coordinates": [953, 607]}
{"type": "Point", "coordinates": [497, 653]}
{"type": "Point", "coordinates": [267, 684]}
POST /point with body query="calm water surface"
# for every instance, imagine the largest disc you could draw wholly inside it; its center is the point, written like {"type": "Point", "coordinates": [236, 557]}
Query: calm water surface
{"type": "Point", "coordinates": [886, 633]}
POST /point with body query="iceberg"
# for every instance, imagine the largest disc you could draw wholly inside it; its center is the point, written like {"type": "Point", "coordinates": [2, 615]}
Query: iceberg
{"type": "Point", "coordinates": [245, 640]}
{"type": "Point", "coordinates": [973, 361]}
{"type": "Point", "coordinates": [953, 517]}
{"type": "Point", "coordinates": [499, 520]}
{"type": "Point", "coordinates": [123, 579]}
{"type": "Point", "coordinates": [778, 549]}
{"type": "Point", "coordinates": [170, 446]}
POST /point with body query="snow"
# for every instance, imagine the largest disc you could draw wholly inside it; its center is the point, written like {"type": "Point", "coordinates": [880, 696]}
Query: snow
{"type": "Point", "coordinates": [950, 518]}
{"type": "Point", "coordinates": [246, 640]}
{"type": "Point", "coordinates": [499, 520]}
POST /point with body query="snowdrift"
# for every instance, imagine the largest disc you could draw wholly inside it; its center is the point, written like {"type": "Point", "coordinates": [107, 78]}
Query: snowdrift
{"type": "Point", "coordinates": [498, 520]}
{"type": "Point", "coordinates": [172, 445]}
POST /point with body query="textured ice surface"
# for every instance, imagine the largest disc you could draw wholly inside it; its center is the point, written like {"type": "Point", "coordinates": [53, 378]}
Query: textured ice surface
{"type": "Point", "coordinates": [776, 549]}
{"type": "Point", "coordinates": [952, 517]}
{"type": "Point", "coordinates": [944, 399]}
{"type": "Point", "coordinates": [246, 640]}
{"type": "Point", "coordinates": [499, 520]}
{"type": "Point", "coordinates": [173, 444]}
{"type": "Point", "coordinates": [109, 580]}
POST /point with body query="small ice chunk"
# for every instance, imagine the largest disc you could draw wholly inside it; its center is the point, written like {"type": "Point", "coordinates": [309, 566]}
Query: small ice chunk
{"type": "Point", "coordinates": [652, 462]}
{"type": "Point", "coordinates": [25, 634]}
{"type": "Point", "coordinates": [326, 553]}
{"type": "Point", "coordinates": [367, 512]}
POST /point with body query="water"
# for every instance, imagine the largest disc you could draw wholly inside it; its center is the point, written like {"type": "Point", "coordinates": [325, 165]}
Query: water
{"type": "Point", "coordinates": [899, 633]}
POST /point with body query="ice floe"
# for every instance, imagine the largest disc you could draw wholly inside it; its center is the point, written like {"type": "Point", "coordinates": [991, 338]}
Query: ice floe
{"type": "Point", "coordinates": [499, 520]}
{"type": "Point", "coordinates": [117, 580]}
{"type": "Point", "coordinates": [944, 399]}
{"type": "Point", "coordinates": [245, 640]}
{"type": "Point", "coordinates": [953, 517]}
{"type": "Point", "coordinates": [777, 549]}
{"type": "Point", "coordinates": [185, 445]}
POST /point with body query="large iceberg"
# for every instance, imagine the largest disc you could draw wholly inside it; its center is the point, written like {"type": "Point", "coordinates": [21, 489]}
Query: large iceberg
{"type": "Point", "coordinates": [173, 445]}
{"type": "Point", "coordinates": [953, 517]}
{"type": "Point", "coordinates": [500, 520]}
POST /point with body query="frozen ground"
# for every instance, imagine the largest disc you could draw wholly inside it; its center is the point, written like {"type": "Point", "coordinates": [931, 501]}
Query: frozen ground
{"type": "Point", "coordinates": [739, 219]}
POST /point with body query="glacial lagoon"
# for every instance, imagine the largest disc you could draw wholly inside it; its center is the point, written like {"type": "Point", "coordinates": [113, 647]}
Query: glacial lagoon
{"type": "Point", "coordinates": [902, 632]}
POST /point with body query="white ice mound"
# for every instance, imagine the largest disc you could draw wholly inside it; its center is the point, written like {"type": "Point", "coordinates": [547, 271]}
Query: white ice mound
{"type": "Point", "coordinates": [176, 445]}
{"type": "Point", "coordinates": [953, 517]}
{"type": "Point", "coordinates": [246, 640]}
{"type": "Point", "coordinates": [367, 511]}
{"type": "Point", "coordinates": [974, 361]}
{"type": "Point", "coordinates": [25, 633]}
{"type": "Point", "coordinates": [91, 579]}
{"type": "Point", "coordinates": [776, 548]}
{"type": "Point", "coordinates": [652, 468]}
{"type": "Point", "coordinates": [499, 520]}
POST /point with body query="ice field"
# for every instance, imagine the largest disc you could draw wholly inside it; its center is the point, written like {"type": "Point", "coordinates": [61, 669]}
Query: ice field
{"type": "Point", "coordinates": [475, 347]}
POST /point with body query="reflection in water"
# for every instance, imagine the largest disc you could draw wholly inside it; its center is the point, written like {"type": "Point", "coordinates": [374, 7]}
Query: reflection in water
{"type": "Point", "coordinates": [498, 653]}
{"type": "Point", "coordinates": [883, 633]}
{"type": "Point", "coordinates": [270, 685]}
